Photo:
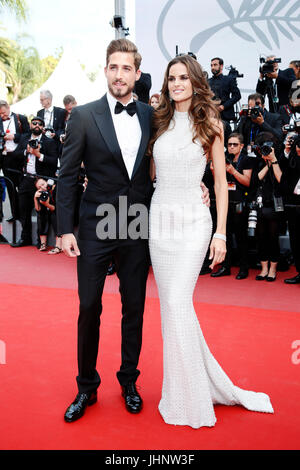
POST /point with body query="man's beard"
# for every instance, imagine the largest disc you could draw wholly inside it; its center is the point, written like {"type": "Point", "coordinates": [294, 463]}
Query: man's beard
{"type": "Point", "coordinates": [215, 72]}
{"type": "Point", "coordinates": [37, 132]}
{"type": "Point", "coordinates": [120, 92]}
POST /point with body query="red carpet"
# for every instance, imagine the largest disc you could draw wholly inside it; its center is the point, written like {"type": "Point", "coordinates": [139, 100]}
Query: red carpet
{"type": "Point", "coordinates": [38, 329]}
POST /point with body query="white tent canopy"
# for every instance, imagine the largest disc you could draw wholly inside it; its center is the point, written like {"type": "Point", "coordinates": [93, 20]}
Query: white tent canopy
{"type": "Point", "coordinates": [68, 78]}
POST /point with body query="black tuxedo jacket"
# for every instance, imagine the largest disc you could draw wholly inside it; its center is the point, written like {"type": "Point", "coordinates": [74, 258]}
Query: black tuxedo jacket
{"type": "Point", "coordinates": [48, 166]}
{"type": "Point", "coordinates": [225, 88]}
{"type": "Point", "coordinates": [21, 123]}
{"type": "Point", "coordinates": [91, 139]}
{"type": "Point", "coordinates": [59, 115]}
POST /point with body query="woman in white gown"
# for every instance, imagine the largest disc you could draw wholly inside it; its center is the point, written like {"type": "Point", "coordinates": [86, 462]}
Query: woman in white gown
{"type": "Point", "coordinates": [187, 132]}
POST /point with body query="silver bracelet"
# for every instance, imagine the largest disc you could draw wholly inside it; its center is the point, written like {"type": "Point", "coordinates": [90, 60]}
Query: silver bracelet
{"type": "Point", "coordinates": [220, 236]}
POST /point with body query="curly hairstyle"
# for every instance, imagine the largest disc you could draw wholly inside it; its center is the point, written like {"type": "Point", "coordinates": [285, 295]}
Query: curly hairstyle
{"type": "Point", "coordinates": [202, 110]}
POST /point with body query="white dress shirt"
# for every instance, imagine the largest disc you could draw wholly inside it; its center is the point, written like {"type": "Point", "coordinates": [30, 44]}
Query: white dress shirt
{"type": "Point", "coordinates": [9, 127]}
{"type": "Point", "coordinates": [31, 159]}
{"type": "Point", "coordinates": [48, 117]}
{"type": "Point", "coordinates": [128, 131]}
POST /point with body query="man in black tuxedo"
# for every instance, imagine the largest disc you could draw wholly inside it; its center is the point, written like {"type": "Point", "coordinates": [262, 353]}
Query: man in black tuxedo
{"type": "Point", "coordinates": [111, 142]}
{"type": "Point", "coordinates": [276, 85]}
{"type": "Point", "coordinates": [38, 156]}
{"type": "Point", "coordinates": [53, 116]}
{"type": "Point", "coordinates": [250, 126]}
{"type": "Point", "coordinates": [225, 89]}
{"type": "Point", "coordinates": [13, 126]}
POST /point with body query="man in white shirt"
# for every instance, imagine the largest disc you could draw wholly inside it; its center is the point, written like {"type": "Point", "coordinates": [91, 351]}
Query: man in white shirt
{"type": "Point", "coordinates": [12, 126]}
{"type": "Point", "coordinates": [53, 116]}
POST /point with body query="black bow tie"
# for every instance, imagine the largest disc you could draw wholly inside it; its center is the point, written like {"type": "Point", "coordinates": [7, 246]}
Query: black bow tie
{"type": "Point", "coordinates": [130, 108]}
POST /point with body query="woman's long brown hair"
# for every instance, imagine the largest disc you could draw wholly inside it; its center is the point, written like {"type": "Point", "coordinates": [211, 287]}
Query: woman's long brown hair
{"type": "Point", "coordinates": [202, 110]}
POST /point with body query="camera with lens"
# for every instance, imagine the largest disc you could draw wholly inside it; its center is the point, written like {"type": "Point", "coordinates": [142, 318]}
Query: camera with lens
{"type": "Point", "coordinates": [254, 206]}
{"type": "Point", "coordinates": [293, 127]}
{"type": "Point", "coordinates": [229, 157]}
{"type": "Point", "coordinates": [268, 65]}
{"type": "Point", "coordinates": [2, 141]}
{"type": "Point", "coordinates": [234, 72]}
{"type": "Point", "coordinates": [262, 150]}
{"type": "Point", "coordinates": [49, 129]}
{"type": "Point", "coordinates": [46, 194]}
{"type": "Point", "coordinates": [34, 143]}
{"type": "Point", "coordinates": [251, 113]}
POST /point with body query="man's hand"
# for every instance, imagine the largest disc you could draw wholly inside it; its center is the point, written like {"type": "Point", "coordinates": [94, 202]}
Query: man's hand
{"type": "Point", "coordinates": [259, 120]}
{"type": "Point", "coordinates": [205, 195]}
{"type": "Point", "coordinates": [35, 152]}
{"type": "Point", "coordinates": [69, 245]}
{"type": "Point", "coordinates": [273, 74]}
{"type": "Point", "coordinates": [9, 136]}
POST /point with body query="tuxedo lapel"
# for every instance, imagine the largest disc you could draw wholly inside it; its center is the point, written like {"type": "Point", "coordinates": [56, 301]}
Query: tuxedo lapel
{"type": "Point", "coordinates": [106, 127]}
{"type": "Point", "coordinates": [144, 123]}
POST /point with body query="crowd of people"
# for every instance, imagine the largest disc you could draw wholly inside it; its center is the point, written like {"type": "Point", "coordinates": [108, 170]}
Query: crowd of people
{"type": "Point", "coordinates": [262, 143]}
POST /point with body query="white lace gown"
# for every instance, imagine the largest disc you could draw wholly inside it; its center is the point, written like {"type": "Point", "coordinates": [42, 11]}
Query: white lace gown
{"type": "Point", "coordinates": [180, 232]}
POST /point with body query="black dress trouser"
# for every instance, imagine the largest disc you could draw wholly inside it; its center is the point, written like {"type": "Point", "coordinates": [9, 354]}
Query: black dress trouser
{"type": "Point", "coordinates": [132, 264]}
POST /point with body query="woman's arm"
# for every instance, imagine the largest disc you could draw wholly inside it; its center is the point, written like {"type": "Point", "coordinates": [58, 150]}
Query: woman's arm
{"type": "Point", "coordinates": [218, 246]}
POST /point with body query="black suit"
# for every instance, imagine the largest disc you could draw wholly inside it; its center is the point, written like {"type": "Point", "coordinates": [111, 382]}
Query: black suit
{"type": "Point", "coordinates": [11, 164]}
{"type": "Point", "coordinates": [283, 81]}
{"type": "Point", "coordinates": [225, 89]}
{"type": "Point", "coordinates": [46, 168]}
{"type": "Point", "coordinates": [91, 138]}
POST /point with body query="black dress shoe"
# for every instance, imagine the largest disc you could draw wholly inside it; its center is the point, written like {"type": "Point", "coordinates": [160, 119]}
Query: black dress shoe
{"type": "Point", "coordinates": [271, 278]}
{"type": "Point", "coordinates": [261, 278]}
{"type": "Point", "coordinates": [77, 408]}
{"type": "Point", "coordinates": [242, 274]}
{"type": "Point", "coordinates": [221, 272]}
{"type": "Point", "coordinates": [205, 270]}
{"type": "Point", "coordinates": [293, 280]}
{"type": "Point", "coordinates": [133, 401]}
{"type": "Point", "coordinates": [111, 269]}
{"type": "Point", "coordinates": [20, 243]}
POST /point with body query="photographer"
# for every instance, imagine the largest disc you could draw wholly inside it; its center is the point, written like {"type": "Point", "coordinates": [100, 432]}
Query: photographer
{"type": "Point", "coordinates": [225, 89]}
{"type": "Point", "coordinates": [239, 172]}
{"type": "Point", "coordinates": [275, 83]}
{"type": "Point", "coordinates": [290, 113]}
{"type": "Point", "coordinates": [290, 187]}
{"type": "Point", "coordinates": [44, 203]}
{"type": "Point", "coordinates": [39, 156]}
{"type": "Point", "coordinates": [12, 126]}
{"type": "Point", "coordinates": [53, 116]}
{"type": "Point", "coordinates": [267, 175]}
{"type": "Point", "coordinates": [256, 119]}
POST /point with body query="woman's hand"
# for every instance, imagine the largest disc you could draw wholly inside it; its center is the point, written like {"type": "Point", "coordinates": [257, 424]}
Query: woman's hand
{"type": "Point", "coordinates": [217, 251]}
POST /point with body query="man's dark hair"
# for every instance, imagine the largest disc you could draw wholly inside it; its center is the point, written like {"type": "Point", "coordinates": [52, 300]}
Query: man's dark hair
{"type": "Point", "coordinates": [256, 96]}
{"type": "Point", "coordinates": [69, 99]}
{"type": "Point", "coordinates": [221, 61]}
{"type": "Point", "coordinates": [238, 136]}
